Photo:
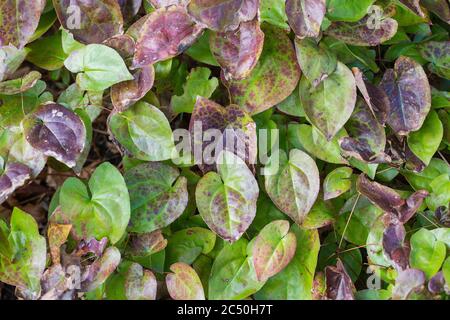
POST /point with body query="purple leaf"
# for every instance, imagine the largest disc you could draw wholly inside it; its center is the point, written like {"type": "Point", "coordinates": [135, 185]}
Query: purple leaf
{"type": "Point", "coordinates": [305, 16]}
{"type": "Point", "coordinates": [394, 245]}
{"type": "Point", "coordinates": [12, 178]}
{"type": "Point", "coordinates": [339, 283]}
{"type": "Point", "coordinates": [408, 282]}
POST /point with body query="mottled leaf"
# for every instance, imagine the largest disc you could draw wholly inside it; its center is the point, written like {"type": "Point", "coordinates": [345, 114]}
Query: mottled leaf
{"type": "Point", "coordinates": [99, 271]}
{"type": "Point", "coordinates": [238, 51]}
{"type": "Point", "coordinates": [305, 16]}
{"type": "Point", "coordinates": [14, 176]}
{"type": "Point", "coordinates": [166, 33]}
{"type": "Point", "coordinates": [293, 184]}
{"type": "Point", "coordinates": [227, 200]}
{"type": "Point", "coordinates": [57, 236]}
{"type": "Point", "coordinates": [158, 196]}
{"type": "Point", "coordinates": [438, 54]}
{"type": "Point", "coordinates": [394, 245]}
{"type": "Point", "coordinates": [408, 282]}
{"type": "Point", "coordinates": [140, 284]}
{"type": "Point", "coordinates": [184, 283]}
{"type": "Point", "coordinates": [57, 132]}
{"type": "Point", "coordinates": [409, 94]}
{"type": "Point", "coordinates": [339, 284]}
{"type": "Point", "coordinates": [145, 244]}
{"type": "Point", "coordinates": [439, 7]}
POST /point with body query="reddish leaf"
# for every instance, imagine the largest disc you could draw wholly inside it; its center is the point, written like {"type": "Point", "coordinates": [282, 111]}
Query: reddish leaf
{"type": "Point", "coordinates": [339, 283]}
{"type": "Point", "coordinates": [305, 16]}
{"type": "Point", "coordinates": [184, 283]}
{"type": "Point", "coordinates": [12, 178]}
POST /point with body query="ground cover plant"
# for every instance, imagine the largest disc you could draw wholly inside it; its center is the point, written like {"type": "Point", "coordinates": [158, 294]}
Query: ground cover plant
{"type": "Point", "coordinates": [224, 149]}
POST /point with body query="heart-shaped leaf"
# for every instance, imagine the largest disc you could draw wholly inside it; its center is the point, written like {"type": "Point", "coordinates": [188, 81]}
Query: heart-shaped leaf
{"type": "Point", "coordinates": [127, 93]}
{"type": "Point", "coordinates": [184, 283]}
{"type": "Point", "coordinates": [91, 21]}
{"type": "Point", "coordinates": [140, 284]}
{"type": "Point", "coordinates": [339, 283]}
{"type": "Point", "coordinates": [294, 184]}
{"type": "Point", "coordinates": [238, 51]}
{"type": "Point", "coordinates": [12, 178]}
{"type": "Point", "coordinates": [101, 209]}
{"type": "Point", "coordinates": [144, 131]}
{"type": "Point", "coordinates": [394, 245]}
{"type": "Point", "coordinates": [145, 244]}
{"type": "Point", "coordinates": [166, 33]}
{"type": "Point", "coordinates": [223, 15]}
{"type": "Point", "coordinates": [427, 253]}
{"type": "Point", "coordinates": [337, 182]}
{"type": "Point", "coordinates": [305, 16]}
{"type": "Point", "coordinates": [347, 10]}
{"type": "Point", "coordinates": [20, 19]}
{"type": "Point", "coordinates": [236, 128]}
{"type": "Point", "coordinates": [227, 200]}
{"type": "Point", "coordinates": [57, 132]}
{"type": "Point", "coordinates": [273, 249]}
{"type": "Point", "coordinates": [158, 196]}
{"type": "Point", "coordinates": [274, 77]}
{"type": "Point", "coordinates": [330, 104]}
{"type": "Point", "coordinates": [409, 94]}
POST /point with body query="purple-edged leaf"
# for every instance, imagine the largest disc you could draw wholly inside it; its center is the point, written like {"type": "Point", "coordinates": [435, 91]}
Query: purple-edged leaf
{"type": "Point", "coordinates": [367, 138]}
{"type": "Point", "coordinates": [409, 94]}
{"type": "Point", "coordinates": [12, 178]}
{"type": "Point", "coordinates": [158, 196]}
{"type": "Point", "coordinates": [19, 20]}
{"type": "Point", "coordinates": [439, 7]}
{"type": "Point", "coordinates": [339, 284]}
{"type": "Point", "coordinates": [91, 21]}
{"type": "Point", "coordinates": [167, 3]}
{"type": "Point", "coordinates": [124, 44]}
{"type": "Point", "coordinates": [166, 33]}
{"type": "Point", "coordinates": [305, 16]}
{"type": "Point", "coordinates": [237, 52]}
{"type": "Point", "coordinates": [140, 284]}
{"type": "Point", "coordinates": [400, 154]}
{"type": "Point", "coordinates": [395, 247]}
{"type": "Point", "coordinates": [408, 282]}
{"type": "Point", "coordinates": [57, 132]}
{"type": "Point", "coordinates": [436, 285]}
{"type": "Point", "coordinates": [223, 15]}
{"type": "Point", "coordinates": [375, 96]}
{"type": "Point", "coordinates": [91, 246]}
{"type": "Point", "coordinates": [129, 8]}
{"type": "Point", "coordinates": [389, 200]}
{"type": "Point", "coordinates": [237, 131]}
{"type": "Point", "coordinates": [184, 283]}
{"type": "Point", "coordinates": [274, 77]}
{"type": "Point", "coordinates": [146, 244]}
{"type": "Point", "coordinates": [273, 249]}
{"type": "Point", "coordinates": [293, 183]}
{"type": "Point", "coordinates": [97, 273]}
{"type": "Point", "coordinates": [126, 93]}
{"type": "Point", "coordinates": [366, 32]}
{"type": "Point", "coordinates": [414, 6]}
{"type": "Point", "coordinates": [227, 200]}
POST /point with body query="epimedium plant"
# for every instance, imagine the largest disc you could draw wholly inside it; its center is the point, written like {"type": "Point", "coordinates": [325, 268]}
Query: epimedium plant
{"type": "Point", "coordinates": [340, 188]}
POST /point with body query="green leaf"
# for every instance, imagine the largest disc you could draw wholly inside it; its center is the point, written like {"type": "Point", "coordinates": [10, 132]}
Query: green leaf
{"type": "Point", "coordinates": [274, 12]}
{"type": "Point", "coordinates": [347, 10]}
{"type": "Point", "coordinates": [427, 253]}
{"type": "Point", "coordinates": [337, 182]}
{"type": "Point", "coordinates": [422, 180]}
{"type": "Point", "coordinates": [100, 209]}
{"type": "Point", "coordinates": [98, 67]}
{"type": "Point", "coordinates": [47, 53]}
{"type": "Point", "coordinates": [425, 142]}
{"type": "Point", "coordinates": [201, 52]}
{"type": "Point", "coordinates": [144, 131]}
{"type": "Point", "coordinates": [198, 83]}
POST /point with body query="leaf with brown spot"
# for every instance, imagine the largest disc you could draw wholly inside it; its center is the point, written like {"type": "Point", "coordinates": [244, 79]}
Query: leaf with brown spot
{"type": "Point", "coordinates": [237, 52]}
{"type": "Point", "coordinates": [305, 16]}
{"type": "Point", "coordinates": [140, 284]}
{"type": "Point", "coordinates": [91, 21]}
{"type": "Point", "coordinates": [14, 176]}
{"type": "Point", "coordinates": [330, 104]}
{"type": "Point", "coordinates": [57, 235]}
{"type": "Point", "coordinates": [293, 183]}
{"type": "Point", "coordinates": [184, 283]}
{"type": "Point", "coordinates": [389, 200]}
{"type": "Point", "coordinates": [339, 284]}
{"type": "Point", "coordinates": [165, 34]}
{"type": "Point", "coordinates": [274, 77]}
{"type": "Point", "coordinates": [145, 244]}
{"type": "Point", "coordinates": [57, 132]}
{"type": "Point", "coordinates": [364, 32]}
{"type": "Point", "coordinates": [19, 21]}
{"type": "Point", "coordinates": [273, 249]}
{"type": "Point", "coordinates": [126, 93]}
{"type": "Point", "coordinates": [223, 15]}
{"type": "Point", "coordinates": [227, 200]}
{"type": "Point", "coordinates": [409, 94]}
{"type": "Point", "coordinates": [237, 129]}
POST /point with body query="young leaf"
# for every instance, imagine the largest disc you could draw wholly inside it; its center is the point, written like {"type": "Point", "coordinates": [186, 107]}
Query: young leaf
{"type": "Point", "coordinates": [273, 249]}
{"type": "Point", "coordinates": [165, 34]}
{"type": "Point", "coordinates": [56, 132]}
{"type": "Point", "coordinates": [227, 200]}
{"type": "Point", "coordinates": [100, 209]}
{"type": "Point", "coordinates": [158, 196]}
{"type": "Point", "coordinates": [330, 104]}
{"type": "Point", "coordinates": [90, 21]}
{"type": "Point", "coordinates": [294, 184]}
{"type": "Point", "coordinates": [409, 94]}
{"type": "Point", "coordinates": [337, 182]}
{"type": "Point", "coordinates": [274, 77]}
{"type": "Point", "coordinates": [305, 16]}
{"type": "Point", "coordinates": [184, 283]}
{"type": "Point", "coordinates": [98, 67]}
{"type": "Point", "coordinates": [238, 51]}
